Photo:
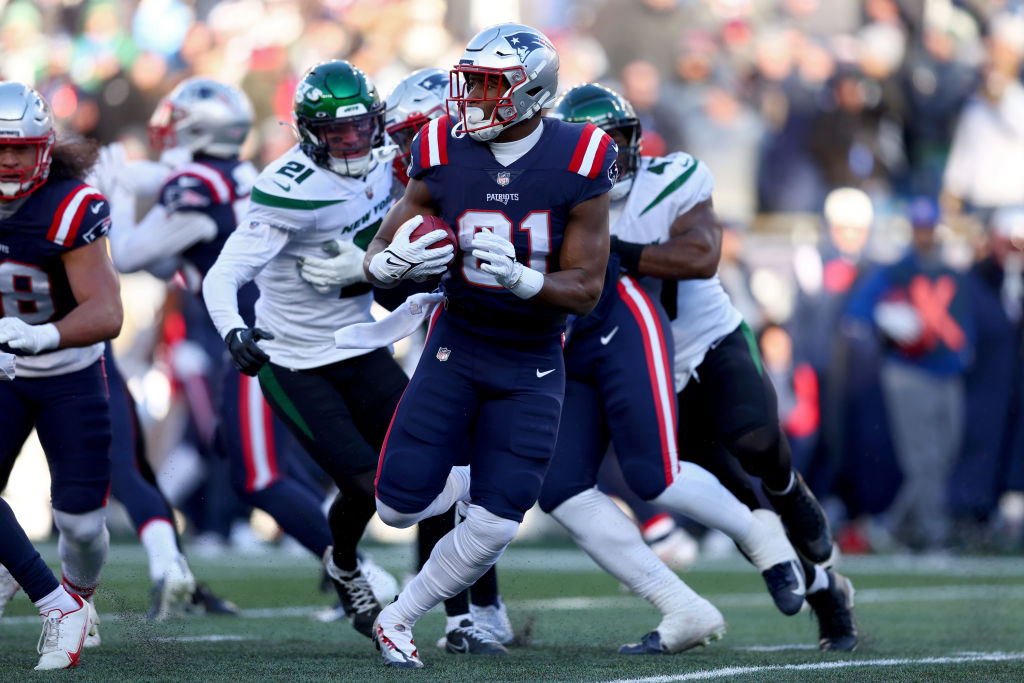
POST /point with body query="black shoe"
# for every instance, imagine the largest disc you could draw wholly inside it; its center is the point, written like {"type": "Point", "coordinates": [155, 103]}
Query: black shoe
{"type": "Point", "coordinates": [468, 639]}
{"type": "Point", "coordinates": [355, 594]}
{"type": "Point", "coordinates": [785, 582]}
{"type": "Point", "coordinates": [804, 520]}
{"type": "Point", "coordinates": [650, 644]}
{"type": "Point", "coordinates": [834, 609]}
{"type": "Point", "coordinates": [204, 599]}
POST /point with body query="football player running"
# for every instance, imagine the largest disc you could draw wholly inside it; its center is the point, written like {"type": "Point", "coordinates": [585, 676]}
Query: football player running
{"type": "Point", "coordinates": [333, 186]}
{"type": "Point", "coordinates": [528, 199]}
{"type": "Point", "coordinates": [202, 125]}
{"type": "Point", "coordinates": [419, 98]}
{"type": "Point", "coordinates": [664, 228]}
{"type": "Point", "coordinates": [61, 301]}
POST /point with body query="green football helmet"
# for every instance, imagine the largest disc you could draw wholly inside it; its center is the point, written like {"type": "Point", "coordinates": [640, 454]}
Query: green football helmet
{"type": "Point", "coordinates": [340, 117]}
{"type": "Point", "coordinates": [607, 109]}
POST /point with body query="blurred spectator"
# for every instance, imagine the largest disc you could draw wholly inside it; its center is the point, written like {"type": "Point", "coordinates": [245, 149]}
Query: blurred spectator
{"type": "Point", "coordinates": [22, 47]}
{"type": "Point", "coordinates": [854, 138]}
{"type": "Point", "coordinates": [642, 86]}
{"type": "Point", "coordinates": [796, 385]}
{"type": "Point", "coordinates": [852, 469]}
{"type": "Point", "coordinates": [937, 81]}
{"type": "Point", "coordinates": [725, 134]}
{"type": "Point", "coordinates": [986, 160]}
{"type": "Point", "coordinates": [734, 272]}
{"type": "Point", "coordinates": [920, 309]}
{"type": "Point", "coordinates": [993, 384]}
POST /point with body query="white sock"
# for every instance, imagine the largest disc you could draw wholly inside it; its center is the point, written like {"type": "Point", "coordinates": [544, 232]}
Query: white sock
{"type": "Point", "coordinates": [767, 544]}
{"type": "Point", "coordinates": [457, 561]}
{"type": "Point", "coordinates": [699, 495]}
{"type": "Point", "coordinates": [612, 540]}
{"type": "Point", "coordinates": [157, 536]}
{"type": "Point", "coordinates": [456, 488]}
{"type": "Point", "coordinates": [82, 545]}
{"type": "Point", "coordinates": [820, 582]}
{"type": "Point", "coordinates": [56, 599]}
{"type": "Point", "coordinates": [455, 622]}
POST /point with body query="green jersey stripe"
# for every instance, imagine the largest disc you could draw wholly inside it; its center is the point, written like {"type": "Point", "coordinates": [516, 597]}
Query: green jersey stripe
{"type": "Point", "coordinates": [260, 197]}
{"type": "Point", "coordinates": [671, 187]}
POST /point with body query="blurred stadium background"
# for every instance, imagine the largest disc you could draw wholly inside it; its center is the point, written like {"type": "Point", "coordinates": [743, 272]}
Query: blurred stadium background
{"type": "Point", "coordinates": [818, 118]}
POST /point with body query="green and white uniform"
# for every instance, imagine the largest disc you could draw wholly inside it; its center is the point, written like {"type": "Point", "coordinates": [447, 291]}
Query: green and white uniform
{"type": "Point", "coordinates": [664, 189]}
{"type": "Point", "coordinates": [295, 207]}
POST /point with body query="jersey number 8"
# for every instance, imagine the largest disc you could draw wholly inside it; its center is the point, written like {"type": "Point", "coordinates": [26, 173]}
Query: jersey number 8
{"type": "Point", "coordinates": [536, 225]}
{"type": "Point", "coordinates": [25, 293]}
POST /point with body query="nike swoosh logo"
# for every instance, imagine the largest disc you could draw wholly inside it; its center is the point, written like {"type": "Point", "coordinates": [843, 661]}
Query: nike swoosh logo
{"type": "Point", "coordinates": [462, 647]}
{"type": "Point", "coordinates": [607, 338]}
{"type": "Point", "coordinates": [545, 373]}
{"type": "Point", "coordinates": [96, 207]}
{"type": "Point", "coordinates": [286, 188]}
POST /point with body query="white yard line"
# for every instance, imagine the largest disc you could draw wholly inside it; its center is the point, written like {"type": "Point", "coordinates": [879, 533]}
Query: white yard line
{"type": "Point", "coordinates": [733, 671]}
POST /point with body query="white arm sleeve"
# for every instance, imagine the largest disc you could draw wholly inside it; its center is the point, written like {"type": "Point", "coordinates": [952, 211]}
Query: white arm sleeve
{"type": "Point", "coordinates": [245, 253]}
{"type": "Point", "coordinates": [158, 235]}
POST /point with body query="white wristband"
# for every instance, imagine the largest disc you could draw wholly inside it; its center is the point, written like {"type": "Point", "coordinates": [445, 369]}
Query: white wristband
{"type": "Point", "coordinates": [529, 283]}
{"type": "Point", "coordinates": [50, 336]}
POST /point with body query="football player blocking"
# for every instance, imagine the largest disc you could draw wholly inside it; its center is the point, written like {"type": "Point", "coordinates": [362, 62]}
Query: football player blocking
{"type": "Point", "coordinates": [54, 227]}
{"type": "Point", "coordinates": [665, 228]}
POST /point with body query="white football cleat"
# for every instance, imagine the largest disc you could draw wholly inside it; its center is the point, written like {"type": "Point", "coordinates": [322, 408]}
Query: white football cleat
{"type": "Point", "coordinates": [382, 583]}
{"type": "Point", "coordinates": [394, 640]}
{"type": "Point", "coordinates": [172, 594]}
{"type": "Point", "coordinates": [494, 619]}
{"type": "Point", "coordinates": [699, 624]}
{"type": "Point", "coordinates": [60, 643]}
{"type": "Point", "coordinates": [8, 587]}
{"type": "Point", "coordinates": [92, 633]}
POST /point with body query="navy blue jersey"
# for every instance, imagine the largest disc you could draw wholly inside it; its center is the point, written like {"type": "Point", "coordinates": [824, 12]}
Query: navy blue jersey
{"type": "Point", "coordinates": [208, 186]}
{"type": "Point", "coordinates": [59, 216]}
{"type": "Point", "coordinates": [527, 202]}
{"type": "Point", "coordinates": [212, 186]}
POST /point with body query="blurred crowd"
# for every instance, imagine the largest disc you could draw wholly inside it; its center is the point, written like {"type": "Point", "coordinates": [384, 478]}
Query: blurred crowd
{"type": "Point", "coordinates": [869, 166]}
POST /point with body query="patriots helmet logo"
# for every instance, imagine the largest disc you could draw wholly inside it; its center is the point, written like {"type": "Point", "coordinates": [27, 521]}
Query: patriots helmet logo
{"type": "Point", "coordinates": [524, 43]}
{"type": "Point", "coordinates": [434, 81]}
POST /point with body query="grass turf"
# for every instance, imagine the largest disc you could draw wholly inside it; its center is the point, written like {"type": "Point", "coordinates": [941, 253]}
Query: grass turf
{"type": "Point", "coordinates": [917, 620]}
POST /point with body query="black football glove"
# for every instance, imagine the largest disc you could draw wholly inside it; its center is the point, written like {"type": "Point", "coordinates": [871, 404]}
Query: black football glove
{"type": "Point", "coordinates": [245, 352]}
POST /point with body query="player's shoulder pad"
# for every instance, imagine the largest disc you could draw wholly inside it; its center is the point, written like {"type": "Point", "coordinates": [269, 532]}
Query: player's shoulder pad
{"type": "Point", "coordinates": [590, 150]}
{"type": "Point", "coordinates": [430, 146]}
{"type": "Point", "coordinates": [196, 185]}
{"type": "Point", "coordinates": [82, 215]}
{"type": "Point", "coordinates": [677, 178]}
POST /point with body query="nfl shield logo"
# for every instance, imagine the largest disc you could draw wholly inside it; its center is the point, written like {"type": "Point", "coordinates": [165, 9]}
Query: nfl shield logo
{"type": "Point", "coordinates": [443, 352]}
{"type": "Point", "coordinates": [504, 177]}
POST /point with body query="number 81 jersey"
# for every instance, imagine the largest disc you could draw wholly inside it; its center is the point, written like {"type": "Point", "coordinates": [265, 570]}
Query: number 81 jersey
{"type": "Point", "coordinates": [527, 202]}
{"type": "Point", "coordinates": [59, 216]}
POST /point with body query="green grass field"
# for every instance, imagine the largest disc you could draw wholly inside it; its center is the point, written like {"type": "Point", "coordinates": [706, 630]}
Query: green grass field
{"type": "Point", "coordinates": [949, 619]}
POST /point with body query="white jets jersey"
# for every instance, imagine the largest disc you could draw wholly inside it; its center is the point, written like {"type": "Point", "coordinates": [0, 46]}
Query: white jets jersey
{"type": "Point", "coordinates": [665, 188]}
{"type": "Point", "coordinates": [313, 205]}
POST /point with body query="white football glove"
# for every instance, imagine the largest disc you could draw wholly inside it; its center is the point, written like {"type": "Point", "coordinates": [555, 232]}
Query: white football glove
{"type": "Point", "coordinates": [405, 260]}
{"type": "Point", "coordinates": [498, 257]}
{"type": "Point", "coordinates": [343, 268]}
{"type": "Point", "coordinates": [31, 339]}
{"type": "Point", "coordinates": [899, 321]}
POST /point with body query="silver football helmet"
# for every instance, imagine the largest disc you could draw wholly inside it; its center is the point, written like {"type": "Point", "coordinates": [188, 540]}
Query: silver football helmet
{"type": "Point", "coordinates": [418, 98]}
{"type": "Point", "coordinates": [26, 133]}
{"type": "Point", "coordinates": [203, 116]}
{"type": "Point", "coordinates": [525, 64]}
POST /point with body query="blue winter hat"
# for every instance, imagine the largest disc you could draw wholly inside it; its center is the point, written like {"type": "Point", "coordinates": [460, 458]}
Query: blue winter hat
{"type": "Point", "coordinates": [924, 213]}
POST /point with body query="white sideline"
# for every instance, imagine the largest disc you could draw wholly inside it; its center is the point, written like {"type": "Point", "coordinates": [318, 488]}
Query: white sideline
{"type": "Point", "coordinates": [731, 671]}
